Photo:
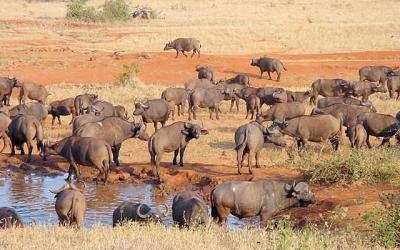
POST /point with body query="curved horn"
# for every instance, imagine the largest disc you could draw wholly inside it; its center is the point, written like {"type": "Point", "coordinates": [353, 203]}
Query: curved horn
{"type": "Point", "coordinates": [143, 216]}
{"type": "Point", "coordinates": [65, 187]}
{"type": "Point", "coordinates": [166, 210]}
{"type": "Point", "coordinates": [186, 125]}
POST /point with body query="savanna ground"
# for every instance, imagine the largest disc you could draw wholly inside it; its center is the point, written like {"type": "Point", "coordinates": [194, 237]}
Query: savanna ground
{"type": "Point", "coordinates": [314, 39]}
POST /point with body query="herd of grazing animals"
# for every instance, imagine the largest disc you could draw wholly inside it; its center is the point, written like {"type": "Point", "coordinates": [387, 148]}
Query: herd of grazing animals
{"type": "Point", "coordinates": [99, 128]}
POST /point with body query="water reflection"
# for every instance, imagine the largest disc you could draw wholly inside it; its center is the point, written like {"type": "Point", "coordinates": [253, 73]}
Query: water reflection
{"type": "Point", "coordinates": [31, 197]}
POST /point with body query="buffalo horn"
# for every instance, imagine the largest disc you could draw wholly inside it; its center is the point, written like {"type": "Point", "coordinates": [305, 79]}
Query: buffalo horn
{"type": "Point", "coordinates": [166, 210]}
{"type": "Point", "coordinates": [143, 216]}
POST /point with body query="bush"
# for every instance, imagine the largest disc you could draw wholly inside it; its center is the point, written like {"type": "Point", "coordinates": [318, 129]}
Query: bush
{"type": "Point", "coordinates": [384, 222]}
{"type": "Point", "coordinates": [373, 165]}
{"type": "Point", "coordinates": [130, 72]}
{"type": "Point", "coordinates": [110, 11]}
{"type": "Point", "coordinates": [78, 11]}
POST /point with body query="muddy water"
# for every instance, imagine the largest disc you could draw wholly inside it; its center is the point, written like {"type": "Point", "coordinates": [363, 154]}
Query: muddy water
{"type": "Point", "coordinates": [30, 196]}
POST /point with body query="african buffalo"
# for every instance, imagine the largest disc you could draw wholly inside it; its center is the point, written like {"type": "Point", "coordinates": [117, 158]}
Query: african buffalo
{"type": "Point", "coordinates": [379, 125]}
{"type": "Point", "coordinates": [231, 88]}
{"type": "Point", "coordinates": [81, 120]}
{"type": "Point", "coordinates": [70, 205]}
{"type": "Point", "coordinates": [61, 108]}
{"type": "Point", "coordinates": [172, 138]}
{"type": "Point", "coordinates": [249, 140]}
{"type": "Point", "coordinates": [6, 87]}
{"type": "Point", "coordinates": [103, 108]}
{"type": "Point", "coordinates": [348, 113]}
{"type": "Point", "coordinates": [85, 151]}
{"type": "Point", "coordinates": [375, 73]}
{"type": "Point", "coordinates": [184, 44]}
{"type": "Point", "coordinates": [365, 89]}
{"type": "Point", "coordinates": [271, 95]}
{"type": "Point", "coordinates": [245, 92]}
{"type": "Point", "coordinates": [393, 85]}
{"type": "Point", "coordinates": [206, 98]}
{"type": "Point", "coordinates": [153, 111]}
{"type": "Point", "coordinates": [239, 79]}
{"type": "Point", "coordinates": [204, 72]}
{"type": "Point", "coordinates": [33, 92]}
{"type": "Point", "coordinates": [140, 212]}
{"type": "Point", "coordinates": [298, 96]}
{"type": "Point", "coordinates": [84, 103]}
{"type": "Point", "coordinates": [269, 65]}
{"type": "Point", "coordinates": [35, 109]}
{"type": "Point", "coordinates": [328, 101]}
{"type": "Point", "coordinates": [189, 209]}
{"type": "Point", "coordinates": [252, 106]}
{"type": "Point", "coordinates": [114, 131]}
{"type": "Point", "coordinates": [318, 128]}
{"type": "Point", "coordinates": [9, 218]}
{"type": "Point", "coordinates": [25, 129]}
{"type": "Point", "coordinates": [175, 97]}
{"type": "Point", "coordinates": [282, 111]}
{"type": "Point", "coordinates": [357, 135]}
{"type": "Point", "coordinates": [328, 87]}
{"type": "Point", "coordinates": [264, 197]}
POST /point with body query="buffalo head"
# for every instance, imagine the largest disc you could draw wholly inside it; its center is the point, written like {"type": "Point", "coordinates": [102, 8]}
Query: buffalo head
{"type": "Point", "coordinates": [144, 212]}
{"type": "Point", "coordinates": [14, 82]}
{"type": "Point", "coordinates": [140, 107]}
{"type": "Point", "coordinates": [138, 129]}
{"type": "Point", "coordinates": [193, 131]}
{"type": "Point", "coordinates": [254, 62]}
{"type": "Point", "coordinates": [301, 192]}
{"type": "Point", "coordinates": [168, 46]}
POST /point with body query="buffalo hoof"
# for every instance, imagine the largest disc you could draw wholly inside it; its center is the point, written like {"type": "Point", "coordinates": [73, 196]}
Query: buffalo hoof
{"type": "Point", "coordinates": [174, 163]}
{"type": "Point", "coordinates": [181, 164]}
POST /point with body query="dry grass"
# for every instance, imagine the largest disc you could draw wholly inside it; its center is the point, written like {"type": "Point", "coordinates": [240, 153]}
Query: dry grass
{"type": "Point", "coordinates": [224, 27]}
{"type": "Point", "coordinates": [158, 237]}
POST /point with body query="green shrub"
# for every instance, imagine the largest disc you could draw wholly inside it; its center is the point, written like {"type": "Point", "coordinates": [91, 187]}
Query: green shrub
{"type": "Point", "coordinates": [78, 11]}
{"type": "Point", "coordinates": [384, 222]}
{"type": "Point", "coordinates": [128, 75]}
{"type": "Point", "coordinates": [373, 165]}
{"type": "Point", "coordinates": [115, 11]}
{"type": "Point", "coordinates": [110, 11]}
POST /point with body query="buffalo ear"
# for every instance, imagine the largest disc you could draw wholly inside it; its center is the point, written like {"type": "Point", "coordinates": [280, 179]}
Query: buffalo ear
{"type": "Point", "coordinates": [185, 131]}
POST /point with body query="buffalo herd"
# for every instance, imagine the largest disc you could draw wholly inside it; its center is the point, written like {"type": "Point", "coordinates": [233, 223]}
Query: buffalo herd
{"type": "Point", "coordinates": [99, 128]}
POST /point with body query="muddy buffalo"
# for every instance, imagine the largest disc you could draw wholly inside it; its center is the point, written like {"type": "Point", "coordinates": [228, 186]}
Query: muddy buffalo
{"type": "Point", "coordinates": [175, 97]}
{"type": "Point", "coordinates": [318, 128]}
{"type": "Point", "coordinates": [172, 138]}
{"type": "Point", "coordinates": [189, 209]}
{"type": "Point", "coordinates": [328, 87]}
{"type": "Point", "coordinates": [365, 89]}
{"type": "Point", "coordinates": [9, 218]}
{"type": "Point", "coordinates": [264, 197]}
{"type": "Point", "coordinates": [84, 103]}
{"type": "Point", "coordinates": [268, 65]}
{"type": "Point", "coordinates": [61, 108]}
{"type": "Point", "coordinates": [7, 85]}
{"type": "Point", "coordinates": [348, 113]}
{"type": "Point", "coordinates": [33, 92]}
{"type": "Point", "coordinates": [328, 101]}
{"type": "Point", "coordinates": [204, 72]}
{"type": "Point", "coordinates": [249, 140]}
{"type": "Point", "coordinates": [184, 45]}
{"type": "Point", "coordinates": [25, 129]}
{"type": "Point", "coordinates": [380, 125]}
{"type": "Point", "coordinates": [357, 135]}
{"type": "Point", "coordinates": [375, 73]}
{"type": "Point", "coordinates": [282, 111]}
{"type": "Point", "coordinates": [139, 212]}
{"type": "Point", "coordinates": [114, 131]}
{"type": "Point", "coordinates": [153, 111]}
{"type": "Point", "coordinates": [38, 110]}
{"type": "Point", "coordinates": [70, 205]}
{"type": "Point", "coordinates": [84, 151]}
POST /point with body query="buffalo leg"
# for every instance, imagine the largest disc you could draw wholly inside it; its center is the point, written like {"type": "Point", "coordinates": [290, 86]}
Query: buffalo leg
{"type": "Point", "coordinates": [261, 73]}
{"type": "Point", "coordinates": [258, 160]}
{"type": "Point", "coordinates": [175, 155]}
{"type": "Point", "coordinates": [177, 53]}
{"type": "Point", "coordinates": [59, 120]}
{"type": "Point", "coordinates": [198, 53]}
{"type": "Point", "coordinates": [115, 151]}
{"type": "Point", "coordinates": [53, 118]}
{"type": "Point", "coordinates": [249, 160]}
{"type": "Point", "coordinates": [264, 217]}
{"type": "Point", "coordinates": [210, 110]}
{"type": "Point", "coordinates": [269, 75]}
{"type": "Point", "coordinates": [239, 154]}
{"type": "Point", "coordinates": [12, 147]}
{"type": "Point", "coordinates": [237, 104]}
{"type": "Point", "coordinates": [158, 160]}
{"type": "Point", "coordinates": [194, 52]}
{"type": "Point", "coordinates": [183, 52]}
{"type": "Point", "coordinates": [385, 140]}
{"type": "Point", "coordinates": [163, 123]}
{"type": "Point", "coordinates": [232, 103]}
{"type": "Point", "coordinates": [173, 113]}
{"type": "Point", "coordinates": [279, 77]}
{"type": "Point", "coordinates": [155, 126]}
{"type": "Point", "coordinates": [398, 95]}
{"type": "Point", "coordinates": [368, 143]}
{"type": "Point", "coordinates": [30, 148]}
{"type": "Point", "coordinates": [181, 154]}
{"type": "Point", "coordinates": [216, 109]}
{"type": "Point", "coordinates": [247, 113]}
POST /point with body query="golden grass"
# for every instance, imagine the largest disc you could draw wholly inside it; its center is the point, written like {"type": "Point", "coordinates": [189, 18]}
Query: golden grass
{"type": "Point", "coordinates": [224, 27]}
{"type": "Point", "coordinates": [152, 236]}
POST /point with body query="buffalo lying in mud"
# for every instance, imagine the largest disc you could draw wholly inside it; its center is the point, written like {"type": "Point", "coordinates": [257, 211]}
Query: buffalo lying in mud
{"type": "Point", "coordinates": [70, 205]}
{"type": "Point", "coordinates": [184, 45]}
{"type": "Point", "coordinates": [264, 197]}
{"type": "Point", "coordinates": [189, 209]}
{"type": "Point", "coordinates": [85, 151]}
{"type": "Point", "coordinates": [172, 138]}
{"type": "Point", "coordinates": [130, 211]}
{"type": "Point", "coordinates": [249, 140]}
